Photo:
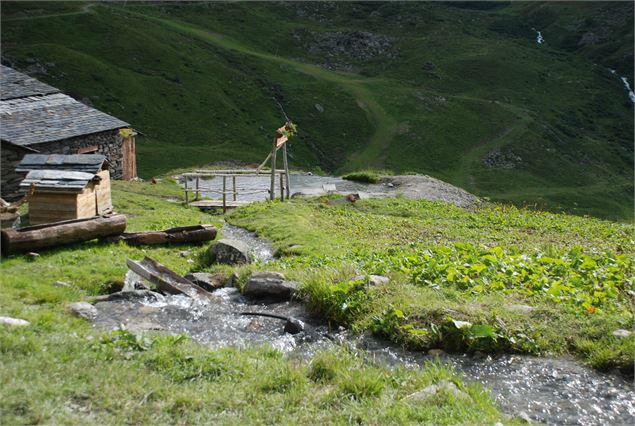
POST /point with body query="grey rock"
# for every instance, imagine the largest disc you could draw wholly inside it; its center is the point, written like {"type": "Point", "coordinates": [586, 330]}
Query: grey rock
{"type": "Point", "coordinates": [524, 417]}
{"type": "Point", "coordinates": [83, 310]}
{"type": "Point", "coordinates": [32, 255]}
{"type": "Point", "coordinates": [209, 282]}
{"type": "Point", "coordinates": [131, 296]}
{"type": "Point", "coordinates": [61, 284]}
{"type": "Point", "coordinates": [14, 321]}
{"type": "Point", "coordinates": [622, 333]}
{"type": "Point", "coordinates": [319, 107]}
{"type": "Point", "coordinates": [376, 280]}
{"type": "Point", "coordinates": [372, 280]}
{"type": "Point", "coordinates": [229, 251]}
{"type": "Point", "coordinates": [293, 326]}
{"type": "Point", "coordinates": [269, 285]}
{"type": "Point", "coordinates": [436, 352]}
{"type": "Point", "coordinates": [432, 390]}
{"type": "Point", "coordinates": [521, 308]}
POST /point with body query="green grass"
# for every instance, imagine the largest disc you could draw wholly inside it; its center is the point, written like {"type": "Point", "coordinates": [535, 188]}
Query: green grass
{"type": "Point", "coordinates": [457, 276]}
{"type": "Point", "coordinates": [199, 80]}
{"type": "Point", "coordinates": [365, 176]}
{"type": "Point", "coordinates": [59, 370]}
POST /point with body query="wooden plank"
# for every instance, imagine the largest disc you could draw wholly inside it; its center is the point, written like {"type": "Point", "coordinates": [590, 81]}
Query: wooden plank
{"type": "Point", "coordinates": [206, 204]}
{"type": "Point", "coordinates": [39, 237]}
{"type": "Point", "coordinates": [165, 279]}
{"type": "Point", "coordinates": [35, 206]}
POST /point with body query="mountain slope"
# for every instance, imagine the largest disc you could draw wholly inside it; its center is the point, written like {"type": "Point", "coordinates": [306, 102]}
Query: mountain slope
{"type": "Point", "coordinates": [463, 94]}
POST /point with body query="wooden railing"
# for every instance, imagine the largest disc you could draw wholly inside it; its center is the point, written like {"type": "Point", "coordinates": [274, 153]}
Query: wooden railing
{"type": "Point", "coordinates": [233, 192]}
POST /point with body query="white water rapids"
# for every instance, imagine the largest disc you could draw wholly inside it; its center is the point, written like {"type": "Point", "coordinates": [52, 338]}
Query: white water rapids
{"type": "Point", "coordinates": [627, 86]}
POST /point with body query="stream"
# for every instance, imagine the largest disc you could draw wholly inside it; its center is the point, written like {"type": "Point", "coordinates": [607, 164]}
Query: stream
{"type": "Point", "coordinates": [624, 80]}
{"type": "Point", "coordinates": [554, 391]}
{"type": "Point", "coordinates": [550, 390]}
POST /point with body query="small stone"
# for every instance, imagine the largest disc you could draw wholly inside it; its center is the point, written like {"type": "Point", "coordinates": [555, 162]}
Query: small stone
{"type": "Point", "coordinates": [521, 308]}
{"type": "Point", "coordinates": [229, 251]}
{"type": "Point", "coordinates": [390, 185]}
{"type": "Point", "coordinates": [622, 333]}
{"type": "Point", "coordinates": [209, 282]}
{"type": "Point", "coordinates": [31, 256]}
{"type": "Point", "coordinates": [433, 390]}
{"type": "Point", "coordinates": [83, 310]}
{"type": "Point", "coordinates": [272, 285]}
{"type": "Point", "coordinates": [524, 417]}
{"type": "Point", "coordinates": [233, 280]}
{"type": "Point", "coordinates": [375, 280]}
{"type": "Point", "coordinates": [436, 352]}
{"type": "Point", "coordinates": [293, 326]}
{"type": "Point", "coordinates": [61, 284]}
{"type": "Point", "coordinates": [319, 107]}
{"type": "Point", "coordinates": [184, 253]}
{"type": "Point", "coordinates": [14, 321]}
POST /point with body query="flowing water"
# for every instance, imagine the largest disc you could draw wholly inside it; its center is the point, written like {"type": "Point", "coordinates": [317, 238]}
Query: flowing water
{"type": "Point", "coordinates": [550, 390]}
{"type": "Point", "coordinates": [261, 250]}
{"type": "Point", "coordinates": [539, 38]}
{"type": "Point", "coordinates": [624, 80]}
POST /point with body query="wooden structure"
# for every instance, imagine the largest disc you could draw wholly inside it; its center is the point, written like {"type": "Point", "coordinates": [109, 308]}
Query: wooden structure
{"type": "Point", "coordinates": [39, 237]}
{"type": "Point", "coordinates": [66, 187]}
{"type": "Point", "coordinates": [279, 142]}
{"type": "Point", "coordinates": [180, 235]}
{"type": "Point", "coordinates": [38, 118]}
{"type": "Point", "coordinates": [229, 195]}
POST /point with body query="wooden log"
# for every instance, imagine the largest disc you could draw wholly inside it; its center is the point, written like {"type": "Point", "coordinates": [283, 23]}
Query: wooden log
{"type": "Point", "coordinates": [165, 279]}
{"type": "Point", "coordinates": [39, 237]}
{"type": "Point", "coordinates": [180, 235]}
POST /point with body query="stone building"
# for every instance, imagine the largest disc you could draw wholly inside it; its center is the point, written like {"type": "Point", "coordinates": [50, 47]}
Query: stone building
{"type": "Point", "coordinates": [37, 118]}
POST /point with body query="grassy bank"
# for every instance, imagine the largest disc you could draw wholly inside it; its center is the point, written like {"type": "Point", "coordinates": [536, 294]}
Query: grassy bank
{"type": "Point", "coordinates": [494, 279]}
{"type": "Point", "coordinates": [59, 370]}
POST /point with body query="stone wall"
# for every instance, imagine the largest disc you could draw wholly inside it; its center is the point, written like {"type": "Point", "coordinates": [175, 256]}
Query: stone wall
{"type": "Point", "coordinates": [108, 143]}
{"type": "Point", "coordinates": [11, 157]}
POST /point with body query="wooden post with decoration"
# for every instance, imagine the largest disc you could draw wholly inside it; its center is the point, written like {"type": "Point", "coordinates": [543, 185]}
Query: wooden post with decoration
{"type": "Point", "coordinates": [282, 136]}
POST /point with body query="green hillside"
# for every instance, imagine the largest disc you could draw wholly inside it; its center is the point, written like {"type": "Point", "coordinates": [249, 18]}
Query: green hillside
{"type": "Point", "coordinates": [460, 91]}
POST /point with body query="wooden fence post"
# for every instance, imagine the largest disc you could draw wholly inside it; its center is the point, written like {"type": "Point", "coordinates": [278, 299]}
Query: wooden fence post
{"type": "Point", "coordinates": [286, 170]}
{"type": "Point", "coordinates": [224, 194]}
{"type": "Point", "coordinates": [273, 171]}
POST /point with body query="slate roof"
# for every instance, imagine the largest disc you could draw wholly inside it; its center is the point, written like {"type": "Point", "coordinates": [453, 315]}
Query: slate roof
{"type": "Point", "coordinates": [57, 180]}
{"type": "Point", "coordinates": [32, 112]}
{"type": "Point", "coordinates": [14, 84]}
{"type": "Point", "coordinates": [87, 163]}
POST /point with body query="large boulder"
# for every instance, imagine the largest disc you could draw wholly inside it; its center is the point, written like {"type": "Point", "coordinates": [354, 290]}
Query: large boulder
{"type": "Point", "coordinates": [230, 252]}
{"type": "Point", "coordinates": [269, 285]}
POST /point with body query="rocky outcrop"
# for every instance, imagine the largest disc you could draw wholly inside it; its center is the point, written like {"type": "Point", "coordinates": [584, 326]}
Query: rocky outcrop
{"type": "Point", "coordinates": [498, 159]}
{"type": "Point", "coordinates": [230, 252]}
{"type": "Point", "coordinates": [429, 188]}
{"type": "Point", "coordinates": [269, 285]}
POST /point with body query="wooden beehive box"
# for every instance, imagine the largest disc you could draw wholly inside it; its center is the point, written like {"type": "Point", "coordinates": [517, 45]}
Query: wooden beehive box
{"type": "Point", "coordinates": [69, 188]}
